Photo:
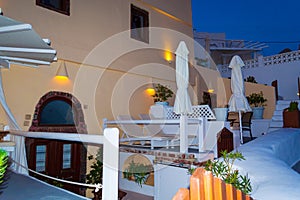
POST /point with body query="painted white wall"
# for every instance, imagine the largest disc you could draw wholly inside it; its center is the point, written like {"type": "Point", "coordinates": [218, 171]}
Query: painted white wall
{"type": "Point", "coordinates": [285, 68]}
{"type": "Point", "coordinates": [286, 74]}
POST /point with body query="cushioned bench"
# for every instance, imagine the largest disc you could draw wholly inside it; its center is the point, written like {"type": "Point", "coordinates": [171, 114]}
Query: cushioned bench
{"type": "Point", "coordinates": [269, 162]}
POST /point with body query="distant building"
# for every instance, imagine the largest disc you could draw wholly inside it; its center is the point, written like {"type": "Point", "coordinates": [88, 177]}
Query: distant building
{"type": "Point", "coordinates": [221, 50]}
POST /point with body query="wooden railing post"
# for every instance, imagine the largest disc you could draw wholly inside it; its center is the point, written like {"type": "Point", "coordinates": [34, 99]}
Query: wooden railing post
{"type": "Point", "coordinates": [182, 194]}
{"type": "Point", "coordinates": [203, 186]}
{"type": "Point", "coordinates": [197, 185]}
{"type": "Point", "coordinates": [219, 189]}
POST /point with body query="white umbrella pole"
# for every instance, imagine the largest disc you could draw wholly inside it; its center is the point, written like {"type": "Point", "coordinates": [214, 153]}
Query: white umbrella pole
{"type": "Point", "coordinates": [241, 128]}
{"type": "Point", "coordinates": [183, 134]}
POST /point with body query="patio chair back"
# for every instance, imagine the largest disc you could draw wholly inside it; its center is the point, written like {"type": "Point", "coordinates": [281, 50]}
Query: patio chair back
{"type": "Point", "coordinates": [130, 130]}
{"type": "Point", "coordinates": [246, 122]}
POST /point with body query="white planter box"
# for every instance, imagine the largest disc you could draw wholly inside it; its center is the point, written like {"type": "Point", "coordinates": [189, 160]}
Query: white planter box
{"type": "Point", "coordinates": [168, 179]}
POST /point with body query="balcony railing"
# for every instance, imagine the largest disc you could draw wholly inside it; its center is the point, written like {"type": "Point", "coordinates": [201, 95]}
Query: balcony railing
{"type": "Point", "coordinates": [261, 61]}
{"type": "Point", "coordinates": [110, 141]}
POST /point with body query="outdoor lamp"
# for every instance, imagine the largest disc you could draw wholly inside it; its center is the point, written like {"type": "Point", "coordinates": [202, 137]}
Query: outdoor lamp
{"type": "Point", "coordinates": [150, 91]}
{"type": "Point", "coordinates": [168, 56]}
{"type": "Point", "coordinates": [62, 72]}
{"type": "Point", "coordinates": [210, 91]}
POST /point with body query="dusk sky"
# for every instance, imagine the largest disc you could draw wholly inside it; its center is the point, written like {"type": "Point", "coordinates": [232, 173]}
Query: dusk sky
{"type": "Point", "coordinates": [275, 22]}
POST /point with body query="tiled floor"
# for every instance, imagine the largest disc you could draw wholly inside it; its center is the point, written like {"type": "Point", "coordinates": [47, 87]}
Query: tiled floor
{"type": "Point", "coordinates": [135, 196]}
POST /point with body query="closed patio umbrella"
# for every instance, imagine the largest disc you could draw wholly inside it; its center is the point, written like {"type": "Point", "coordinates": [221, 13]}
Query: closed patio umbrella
{"type": "Point", "coordinates": [238, 102]}
{"type": "Point", "coordinates": [20, 44]}
{"type": "Point", "coordinates": [182, 103]}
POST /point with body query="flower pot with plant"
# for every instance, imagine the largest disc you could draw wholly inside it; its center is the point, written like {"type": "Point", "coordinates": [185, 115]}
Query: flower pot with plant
{"type": "Point", "coordinates": [291, 116]}
{"type": "Point", "coordinates": [162, 94]}
{"type": "Point", "coordinates": [257, 103]}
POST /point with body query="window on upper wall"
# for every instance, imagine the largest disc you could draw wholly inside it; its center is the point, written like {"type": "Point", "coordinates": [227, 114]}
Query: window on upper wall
{"type": "Point", "coordinates": [61, 6]}
{"type": "Point", "coordinates": [139, 24]}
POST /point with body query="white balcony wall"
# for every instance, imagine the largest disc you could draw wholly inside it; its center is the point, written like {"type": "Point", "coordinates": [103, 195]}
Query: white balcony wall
{"type": "Point", "coordinates": [285, 68]}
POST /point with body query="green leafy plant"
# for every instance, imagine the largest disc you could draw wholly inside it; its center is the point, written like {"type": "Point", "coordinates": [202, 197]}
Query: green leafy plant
{"type": "Point", "coordinates": [3, 164]}
{"type": "Point", "coordinates": [191, 170]}
{"type": "Point", "coordinates": [95, 174]}
{"type": "Point", "coordinates": [293, 106]}
{"type": "Point", "coordinates": [137, 172]}
{"type": "Point", "coordinates": [251, 79]}
{"type": "Point", "coordinates": [224, 170]}
{"type": "Point", "coordinates": [257, 99]}
{"type": "Point", "coordinates": [162, 93]}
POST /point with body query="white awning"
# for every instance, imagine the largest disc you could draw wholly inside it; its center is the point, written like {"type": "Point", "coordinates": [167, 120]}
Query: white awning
{"type": "Point", "coordinates": [20, 44]}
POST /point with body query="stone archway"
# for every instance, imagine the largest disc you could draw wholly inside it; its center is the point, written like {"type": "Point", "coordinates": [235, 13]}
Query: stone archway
{"type": "Point", "coordinates": [78, 151]}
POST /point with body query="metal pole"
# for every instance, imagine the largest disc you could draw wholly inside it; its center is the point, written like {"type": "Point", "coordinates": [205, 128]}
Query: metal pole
{"type": "Point", "coordinates": [241, 128]}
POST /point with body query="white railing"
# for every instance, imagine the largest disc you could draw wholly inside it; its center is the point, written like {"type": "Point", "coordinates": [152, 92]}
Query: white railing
{"type": "Point", "coordinates": [110, 141]}
{"type": "Point", "coordinates": [198, 111]}
{"type": "Point", "coordinates": [288, 57]}
{"type": "Point", "coordinates": [282, 58]}
{"type": "Point", "coordinates": [200, 123]}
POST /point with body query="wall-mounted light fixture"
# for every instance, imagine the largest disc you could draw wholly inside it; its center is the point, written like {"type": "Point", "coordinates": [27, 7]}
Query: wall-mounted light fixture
{"type": "Point", "coordinates": [168, 56]}
{"type": "Point", "coordinates": [150, 91]}
{"type": "Point", "coordinates": [62, 71]}
{"type": "Point", "coordinates": [150, 88]}
{"type": "Point", "coordinates": [210, 91]}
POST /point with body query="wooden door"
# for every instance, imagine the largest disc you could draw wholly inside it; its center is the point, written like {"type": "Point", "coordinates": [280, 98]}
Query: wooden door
{"type": "Point", "coordinates": [57, 159]}
{"type": "Point", "coordinates": [58, 112]}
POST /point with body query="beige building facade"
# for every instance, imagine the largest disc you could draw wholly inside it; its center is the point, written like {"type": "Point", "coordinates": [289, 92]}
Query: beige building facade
{"type": "Point", "coordinates": [108, 68]}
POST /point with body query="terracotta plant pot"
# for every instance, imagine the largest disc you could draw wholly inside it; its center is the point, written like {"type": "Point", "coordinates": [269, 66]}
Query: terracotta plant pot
{"type": "Point", "coordinates": [291, 119]}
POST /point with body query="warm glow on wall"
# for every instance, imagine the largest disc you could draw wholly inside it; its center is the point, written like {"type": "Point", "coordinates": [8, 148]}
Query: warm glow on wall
{"type": "Point", "coordinates": [210, 91]}
{"type": "Point", "coordinates": [168, 56]}
{"type": "Point", "coordinates": [150, 91]}
{"type": "Point", "coordinates": [61, 79]}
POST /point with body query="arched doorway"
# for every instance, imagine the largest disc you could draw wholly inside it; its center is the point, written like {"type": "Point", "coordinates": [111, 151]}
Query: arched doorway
{"type": "Point", "coordinates": [58, 112]}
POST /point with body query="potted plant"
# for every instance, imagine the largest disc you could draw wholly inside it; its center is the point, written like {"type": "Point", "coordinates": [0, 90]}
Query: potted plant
{"type": "Point", "coordinates": [95, 175]}
{"type": "Point", "coordinates": [137, 172]}
{"type": "Point", "coordinates": [224, 170]}
{"type": "Point", "coordinates": [250, 79]}
{"type": "Point", "coordinates": [257, 103]}
{"type": "Point", "coordinates": [162, 94]}
{"type": "Point", "coordinates": [291, 116]}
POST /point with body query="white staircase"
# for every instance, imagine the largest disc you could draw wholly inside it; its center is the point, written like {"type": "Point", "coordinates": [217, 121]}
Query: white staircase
{"type": "Point", "coordinates": [277, 119]}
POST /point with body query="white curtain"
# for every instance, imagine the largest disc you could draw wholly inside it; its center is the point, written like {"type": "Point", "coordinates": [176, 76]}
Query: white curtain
{"type": "Point", "coordinates": [20, 154]}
